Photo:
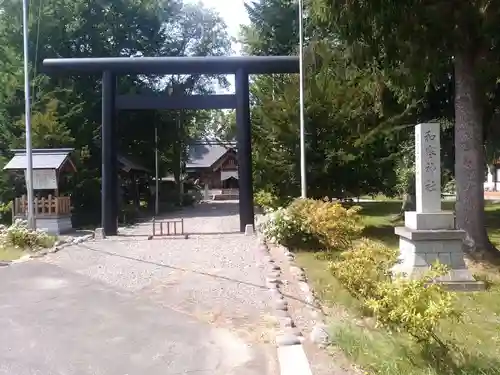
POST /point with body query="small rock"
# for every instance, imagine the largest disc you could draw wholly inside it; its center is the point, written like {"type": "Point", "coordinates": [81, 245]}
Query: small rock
{"type": "Point", "coordinates": [274, 274]}
{"type": "Point", "coordinates": [275, 267]}
{"type": "Point", "coordinates": [309, 299]}
{"type": "Point", "coordinates": [272, 286]}
{"type": "Point", "coordinates": [272, 280]}
{"type": "Point", "coordinates": [316, 314]}
{"type": "Point", "coordinates": [285, 322]}
{"type": "Point", "coordinates": [150, 238]}
{"type": "Point", "coordinates": [287, 339]}
{"type": "Point", "coordinates": [319, 335]}
{"type": "Point", "coordinates": [4, 263]}
{"type": "Point", "coordinates": [304, 287]}
{"type": "Point", "coordinates": [55, 249]}
{"type": "Point", "coordinates": [275, 294]}
{"type": "Point", "coordinates": [280, 304]}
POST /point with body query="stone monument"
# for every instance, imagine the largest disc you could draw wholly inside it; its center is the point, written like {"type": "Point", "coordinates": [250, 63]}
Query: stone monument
{"type": "Point", "coordinates": [429, 233]}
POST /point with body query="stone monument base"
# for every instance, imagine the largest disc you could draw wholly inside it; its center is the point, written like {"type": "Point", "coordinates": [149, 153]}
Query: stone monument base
{"type": "Point", "coordinates": [419, 249]}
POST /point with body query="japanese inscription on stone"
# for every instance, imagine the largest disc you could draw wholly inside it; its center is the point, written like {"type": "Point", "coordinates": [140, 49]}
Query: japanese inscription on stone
{"type": "Point", "coordinates": [427, 167]}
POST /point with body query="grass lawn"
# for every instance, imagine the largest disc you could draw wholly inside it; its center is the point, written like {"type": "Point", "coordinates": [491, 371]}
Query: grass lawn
{"type": "Point", "coordinates": [475, 341]}
{"type": "Point", "coordinates": [10, 253]}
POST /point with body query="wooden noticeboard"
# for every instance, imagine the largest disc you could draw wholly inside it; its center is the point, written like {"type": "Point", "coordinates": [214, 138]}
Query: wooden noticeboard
{"type": "Point", "coordinates": [43, 179]}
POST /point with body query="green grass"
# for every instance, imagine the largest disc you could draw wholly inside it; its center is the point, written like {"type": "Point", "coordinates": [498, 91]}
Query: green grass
{"type": "Point", "coordinates": [475, 341]}
{"type": "Point", "coordinates": [10, 253]}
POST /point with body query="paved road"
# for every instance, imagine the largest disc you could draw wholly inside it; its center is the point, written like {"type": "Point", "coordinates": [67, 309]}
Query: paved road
{"type": "Point", "coordinates": [129, 306]}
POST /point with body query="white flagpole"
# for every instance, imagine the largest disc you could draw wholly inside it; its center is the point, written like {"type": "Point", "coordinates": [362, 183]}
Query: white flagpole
{"type": "Point", "coordinates": [303, 177]}
{"type": "Point", "coordinates": [27, 117]}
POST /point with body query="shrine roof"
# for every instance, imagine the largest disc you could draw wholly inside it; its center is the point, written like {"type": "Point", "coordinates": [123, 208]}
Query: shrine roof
{"type": "Point", "coordinates": [43, 158]}
{"type": "Point", "coordinates": [206, 154]}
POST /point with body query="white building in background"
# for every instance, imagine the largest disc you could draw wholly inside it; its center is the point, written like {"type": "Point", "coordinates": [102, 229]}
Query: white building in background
{"type": "Point", "coordinates": [492, 182]}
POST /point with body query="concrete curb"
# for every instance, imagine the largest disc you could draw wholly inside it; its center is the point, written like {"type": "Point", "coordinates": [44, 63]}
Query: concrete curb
{"type": "Point", "coordinates": [291, 356]}
{"type": "Point", "coordinates": [293, 361]}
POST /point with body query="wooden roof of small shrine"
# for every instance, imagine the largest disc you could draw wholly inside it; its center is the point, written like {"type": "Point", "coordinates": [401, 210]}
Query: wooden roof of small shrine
{"type": "Point", "coordinates": [43, 158]}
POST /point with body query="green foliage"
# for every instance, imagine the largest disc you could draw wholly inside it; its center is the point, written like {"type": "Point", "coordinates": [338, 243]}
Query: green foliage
{"type": "Point", "coordinates": [405, 170]}
{"type": "Point", "coordinates": [20, 236]}
{"type": "Point", "coordinates": [47, 129]}
{"type": "Point", "coordinates": [66, 109]}
{"type": "Point", "coordinates": [440, 70]}
{"type": "Point", "coordinates": [312, 224]}
{"type": "Point", "coordinates": [266, 200]}
{"type": "Point", "coordinates": [333, 225]}
{"type": "Point", "coordinates": [362, 268]}
{"type": "Point", "coordinates": [6, 213]}
{"type": "Point", "coordinates": [415, 306]}
{"type": "Point", "coordinates": [450, 187]}
{"type": "Point", "coordinates": [282, 227]}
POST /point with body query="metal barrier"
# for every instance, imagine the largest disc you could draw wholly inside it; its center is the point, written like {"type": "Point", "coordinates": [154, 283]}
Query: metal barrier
{"type": "Point", "coordinates": [169, 228]}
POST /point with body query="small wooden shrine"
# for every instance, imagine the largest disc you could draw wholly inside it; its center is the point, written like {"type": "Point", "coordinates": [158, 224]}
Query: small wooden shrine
{"type": "Point", "coordinates": [52, 211]}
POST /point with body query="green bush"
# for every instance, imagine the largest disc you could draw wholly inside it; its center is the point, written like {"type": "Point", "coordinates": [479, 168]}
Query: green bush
{"type": "Point", "coordinates": [20, 236]}
{"type": "Point", "coordinates": [6, 213]}
{"type": "Point", "coordinates": [266, 200]}
{"type": "Point", "coordinates": [332, 225]}
{"type": "Point", "coordinates": [415, 306]}
{"type": "Point", "coordinates": [312, 224]}
{"type": "Point", "coordinates": [281, 227]}
{"type": "Point", "coordinates": [361, 269]}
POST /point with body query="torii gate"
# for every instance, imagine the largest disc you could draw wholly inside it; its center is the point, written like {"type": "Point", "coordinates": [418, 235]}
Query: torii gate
{"type": "Point", "coordinates": [110, 67]}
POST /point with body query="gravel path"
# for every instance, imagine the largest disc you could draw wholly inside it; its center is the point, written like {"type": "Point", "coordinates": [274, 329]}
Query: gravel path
{"type": "Point", "coordinates": [216, 275]}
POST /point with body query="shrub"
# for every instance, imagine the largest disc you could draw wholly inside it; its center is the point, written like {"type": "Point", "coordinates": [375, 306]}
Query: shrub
{"type": "Point", "coordinates": [6, 213]}
{"type": "Point", "coordinates": [20, 236]}
{"type": "Point", "coordinates": [362, 268]}
{"type": "Point", "coordinates": [333, 225]}
{"type": "Point", "coordinates": [415, 306]}
{"type": "Point", "coordinates": [280, 226]}
{"type": "Point", "coordinates": [266, 200]}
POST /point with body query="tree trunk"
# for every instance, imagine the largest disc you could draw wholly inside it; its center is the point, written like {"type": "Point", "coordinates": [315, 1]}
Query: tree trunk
{"type": "Point", "coordinates": [409, 201]}
{"type": "Point", "coordinates": [469, 154]}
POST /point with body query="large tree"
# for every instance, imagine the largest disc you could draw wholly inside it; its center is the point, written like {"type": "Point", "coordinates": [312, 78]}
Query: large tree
{"type": "Point", "coordinates": [419, 41]}
{"type": "Point", "coordinates": [70, 105]}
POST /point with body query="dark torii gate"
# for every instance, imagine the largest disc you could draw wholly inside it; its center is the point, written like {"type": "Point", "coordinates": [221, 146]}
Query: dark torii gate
{"type": "Point", "coordinates": [110, 67]}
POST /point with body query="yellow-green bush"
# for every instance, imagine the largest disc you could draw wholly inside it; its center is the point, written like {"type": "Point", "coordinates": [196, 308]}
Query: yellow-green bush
{"type": "Point", "coordinates": [415, 306]}
{"type": "Point", "coordinates": [333, 225]}
{"type": "Point", "coordinates": [266, 200]}
{"type": "Point", "coordinates": [362, 268]}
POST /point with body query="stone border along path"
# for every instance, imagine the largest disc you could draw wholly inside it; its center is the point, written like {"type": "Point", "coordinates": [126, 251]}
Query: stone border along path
{"type": "Point", "coordinates": [303, 315]}
{"type": "Point", "coordinates": [291, 355]}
